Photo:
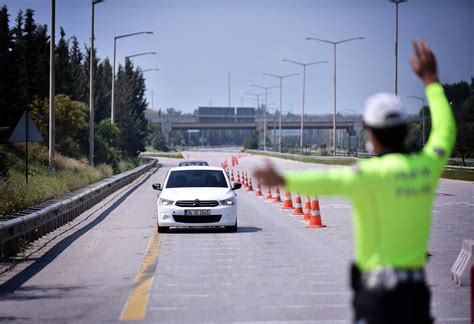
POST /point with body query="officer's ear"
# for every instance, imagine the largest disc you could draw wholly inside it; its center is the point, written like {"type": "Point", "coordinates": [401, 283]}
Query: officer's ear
{"type": "Point", "coordinates": [370, 136]}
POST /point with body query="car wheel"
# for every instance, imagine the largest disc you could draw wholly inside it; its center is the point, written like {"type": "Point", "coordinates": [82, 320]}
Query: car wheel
{"type": "Point", "coordinates": [163, 229]}
{"type": "Point", "coordinates": [232, 229]}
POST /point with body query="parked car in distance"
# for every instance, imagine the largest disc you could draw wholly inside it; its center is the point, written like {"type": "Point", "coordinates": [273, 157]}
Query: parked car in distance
{"type": "Point", "coordinates": [197, 196]}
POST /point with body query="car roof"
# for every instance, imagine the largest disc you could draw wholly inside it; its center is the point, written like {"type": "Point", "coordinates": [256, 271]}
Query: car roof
{"type": "Point", "coordinates": [193, 161]}
{"type": "Point", "coordinates": [196, 161]}
{"type": "Point", "coordinates": [196, 167]}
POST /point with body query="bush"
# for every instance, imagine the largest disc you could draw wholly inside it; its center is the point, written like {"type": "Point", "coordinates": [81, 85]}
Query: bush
{"type": "Point", "coordinates": [158, 141]}
{"type": "Point", "coordinates": [251, 141]}
{"type": "Point", "coordinates": [16, 195]}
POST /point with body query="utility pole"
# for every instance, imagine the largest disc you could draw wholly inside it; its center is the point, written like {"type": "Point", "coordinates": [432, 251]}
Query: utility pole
{"type": "Point", "coordinates": [112, 101]}
{"type": "Point", "coordinates": [91, 88]}
{"type": "Point", "coordinates": [281, 77]}
{"type": "Point", "coordinates": [304, 65]}
{"type": "Point", "coordinates": [52, 106]}
{"type": "Point", "coordinates": [228, 81]}
{"type": "Point", "coordinates": [264, 112]}
{"type": "Point", "coordinates": [396, 2]}
{"type": "Point", "coordinates": [334, 79]}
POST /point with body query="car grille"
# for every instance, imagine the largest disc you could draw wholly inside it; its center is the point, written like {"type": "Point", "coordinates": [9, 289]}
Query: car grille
{"type": "Point", "coordinates": [197, 203]}
{"type": "Point", "coordinates": [197, 219]}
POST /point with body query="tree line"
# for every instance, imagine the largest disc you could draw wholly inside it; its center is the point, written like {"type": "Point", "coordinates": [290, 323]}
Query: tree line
{"type": "Point", "coordinates": [24, 84]}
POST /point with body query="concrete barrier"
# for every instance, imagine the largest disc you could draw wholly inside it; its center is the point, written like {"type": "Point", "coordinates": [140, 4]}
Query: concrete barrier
{"type": "Point", "coordinates": [461, 268]}
{"type": "Point", "coordinates": [30, 224]}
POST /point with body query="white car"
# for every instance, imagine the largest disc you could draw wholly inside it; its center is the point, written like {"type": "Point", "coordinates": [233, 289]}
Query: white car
{"type": "Point", "coordinates": [197, 196]}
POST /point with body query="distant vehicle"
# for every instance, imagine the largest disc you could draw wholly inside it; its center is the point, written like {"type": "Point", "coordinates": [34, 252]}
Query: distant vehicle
{"type": "Point", "coordinates": [196, 196]}
{"type": "Point", "coordinates": [192, 162]}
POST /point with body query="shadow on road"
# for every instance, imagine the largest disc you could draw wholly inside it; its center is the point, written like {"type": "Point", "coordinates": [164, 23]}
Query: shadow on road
{"type": "Point", "coordinates": [18, 280]}
{"type": "Point", "coordinates": [213, 230]}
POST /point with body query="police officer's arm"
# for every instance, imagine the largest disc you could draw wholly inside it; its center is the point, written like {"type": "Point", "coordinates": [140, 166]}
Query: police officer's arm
{"type": "Point", "coordinates": [337, 181]}
{"type": "Point", "coordinates": [443, 130]}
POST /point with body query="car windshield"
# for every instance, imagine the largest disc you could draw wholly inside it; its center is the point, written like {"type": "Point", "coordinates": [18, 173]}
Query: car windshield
{"type": "Point", "coordinates": [196, 178]}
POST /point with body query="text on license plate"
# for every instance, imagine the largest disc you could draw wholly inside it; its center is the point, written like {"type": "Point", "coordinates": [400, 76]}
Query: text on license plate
{"type": "Point", "coordinates": [197, 212]}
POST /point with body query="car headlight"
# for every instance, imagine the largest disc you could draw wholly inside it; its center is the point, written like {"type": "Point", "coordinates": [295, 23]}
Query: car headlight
{"type": "Point", "coordinates": [165, 202]}
{"type": "Point", "coordinates": [227, 202]}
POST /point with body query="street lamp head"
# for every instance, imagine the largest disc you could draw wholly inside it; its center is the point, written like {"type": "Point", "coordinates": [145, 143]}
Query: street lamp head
{"type": "Point", "coordinates": [149, 32]}
{"type": "Point", "coordinates": [398, 1]}
{"type": "Point", "coordinates": [97, 1]}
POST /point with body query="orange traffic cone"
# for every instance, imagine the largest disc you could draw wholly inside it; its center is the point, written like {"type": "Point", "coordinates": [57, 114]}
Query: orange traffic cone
{"type": "Point", "coordinates": [258, 192]}
{"type": "Point", "coordinates": [307, 209]}
{"type": "Point", "coordinates": [276, 196]}
{"type": "Point", "coordinates": [298, 206]}
{"type": "Point", "coordinates": [246, 184]}
{"type": "Point", "coordinates": [238, 176]}
{"type": "Point", "coordinates": [250, 188]}
{"type": "Point", "coordinates": [232, 175]}
{"type": "Point", "coordinates": [315, 220]}
{"type": "Point", "coordinates": [269, 193]}
{"type": "Point", "coordinates": [287, 203]}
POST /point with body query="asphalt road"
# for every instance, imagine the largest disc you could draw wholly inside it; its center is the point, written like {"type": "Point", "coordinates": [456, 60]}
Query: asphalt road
{"type": "Point", "coordinates": [110, 265]}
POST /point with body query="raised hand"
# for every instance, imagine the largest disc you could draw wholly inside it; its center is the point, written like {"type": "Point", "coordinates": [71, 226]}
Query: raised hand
{"type": "Point", "coordinates": [424, 62]}
{"type": "Point", "coordinates": [269, 175]}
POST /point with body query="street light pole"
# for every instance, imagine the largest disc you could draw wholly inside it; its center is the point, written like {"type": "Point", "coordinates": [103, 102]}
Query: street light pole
{"type": "Point", "coordinates": [281, 77]}
{"type": "Point", "coordinates": [91, 86]}
{"type": "Point", "coordinates": [148, 70]}
{"type": "Point", "coordinates": [422, 116]}
{"type": "Point", "coordinates": [140, 54]}
{"type": "Point", "coordinates": [258, 105]}
{"type": "Point", "coordinates": [304, 65]}
{"type": "Point", "coordinates": [396, 2]}
{"type": "Point", "coordinates": [334, 108]}
{"type": "Point", "coordinates": [112, 106]}
{"type": "Point", "coordinates": [264, 113]}
{"type": "Point", "coordinates": [52, 107]}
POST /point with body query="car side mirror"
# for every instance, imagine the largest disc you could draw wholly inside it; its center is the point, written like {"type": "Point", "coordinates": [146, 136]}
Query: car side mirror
{"type": "Point", "coordinates": [156, 186]}
{"type": "Point", "coordinates": [236, 186]}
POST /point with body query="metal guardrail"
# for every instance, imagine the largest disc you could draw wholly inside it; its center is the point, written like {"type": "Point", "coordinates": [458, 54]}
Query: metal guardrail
{"type": "Point", "coordinates": [30, 224]}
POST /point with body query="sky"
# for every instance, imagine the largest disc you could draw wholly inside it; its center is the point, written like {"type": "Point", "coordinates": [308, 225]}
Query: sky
{"type": "Point", "coordinates": [198, 42]}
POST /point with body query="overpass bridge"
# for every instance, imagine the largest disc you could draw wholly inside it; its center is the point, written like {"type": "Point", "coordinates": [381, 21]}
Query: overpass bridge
{"type": "Point", "coordinates": [168, 123]}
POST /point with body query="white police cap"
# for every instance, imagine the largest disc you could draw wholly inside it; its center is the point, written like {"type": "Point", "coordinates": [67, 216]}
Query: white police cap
{"type": "Point", "coordinates": [384, 110]}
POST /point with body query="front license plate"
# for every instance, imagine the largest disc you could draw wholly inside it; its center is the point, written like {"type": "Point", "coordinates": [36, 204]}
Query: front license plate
{"type": "Point", "coordinates": [197, 212]}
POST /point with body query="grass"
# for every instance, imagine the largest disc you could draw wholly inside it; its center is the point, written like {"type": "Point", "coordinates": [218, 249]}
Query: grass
{"type": "Point", "coordinates": [150, 151]}
{"type": "Point", "coordinates": [70, 175]}
{"type": "Point", "coordinates": [310, 159]}
{"type": "Point", "coordinates": [447, 174]}
{"type": "Point", "coordinates": [458, 175]}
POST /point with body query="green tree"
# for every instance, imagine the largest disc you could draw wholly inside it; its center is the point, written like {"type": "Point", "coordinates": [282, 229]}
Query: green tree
{"type": "Point", "coordinates": [9, 116]}
{"type": "Point", "coordinates": [70, 123]}
{"type": "Point", "coordinates": [460, 96]}
{"type": "Point", "coordinates": [251, 141]}
{"type": "Point", "coordinates": [158, 140]}
{"type": "Point", "coordinates": [107, 143]}
{"type": "Point", "coordinates": [103, 87]}
{"type": "Point", "coordinates": [64, 79]}
{"type": "Point", "coordinates": [465, 139]}
{"type": "Point", "coordinates": [78, 75]}
{"type": "Point", "coordinates": [130, 108]}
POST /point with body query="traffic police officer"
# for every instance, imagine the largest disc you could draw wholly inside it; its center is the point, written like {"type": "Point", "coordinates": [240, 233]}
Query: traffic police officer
{"type": "Point", "coordinates": [392, 196]}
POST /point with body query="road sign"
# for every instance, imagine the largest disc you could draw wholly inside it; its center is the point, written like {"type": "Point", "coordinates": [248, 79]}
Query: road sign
{"type": "Point", "coordinates": [26, 131]}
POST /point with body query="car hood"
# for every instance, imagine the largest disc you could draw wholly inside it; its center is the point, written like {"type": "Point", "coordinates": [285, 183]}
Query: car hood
{"type": "Point", "coordinates": [205, 193]}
